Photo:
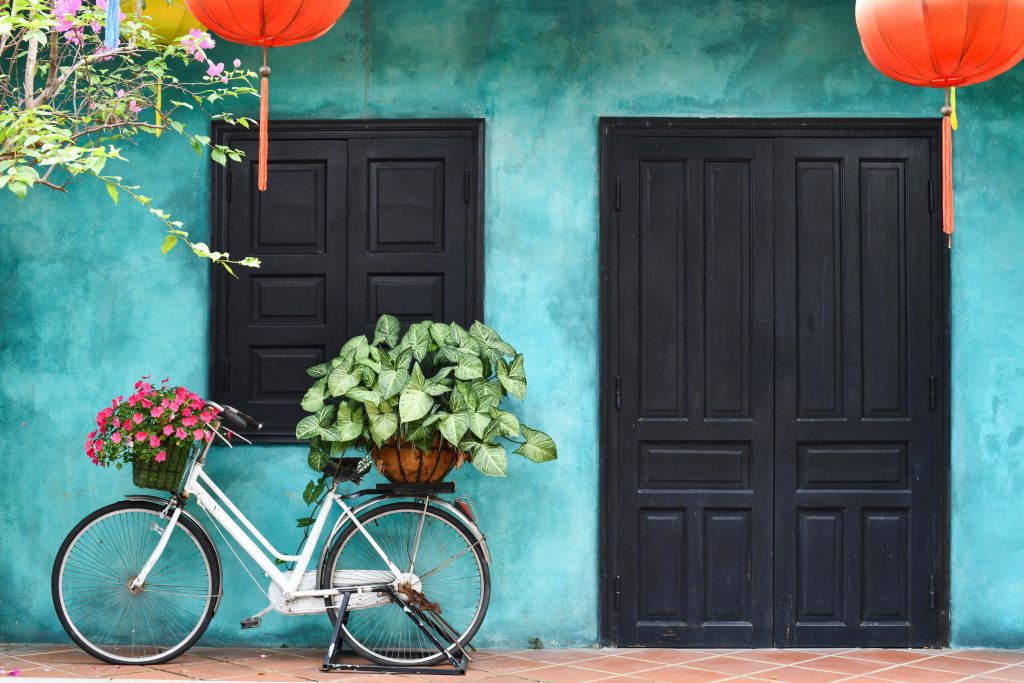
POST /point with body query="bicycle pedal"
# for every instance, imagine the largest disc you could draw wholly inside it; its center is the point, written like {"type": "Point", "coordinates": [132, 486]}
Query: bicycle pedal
{"type": "Point", "coordinates": [250, 622]}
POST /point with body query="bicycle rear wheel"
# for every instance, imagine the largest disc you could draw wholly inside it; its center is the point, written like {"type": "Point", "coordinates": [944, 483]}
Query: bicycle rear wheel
{"type": "Point", "coordinates": [445, 575]}
{"type": "Point", "coordinates": [94, 570]}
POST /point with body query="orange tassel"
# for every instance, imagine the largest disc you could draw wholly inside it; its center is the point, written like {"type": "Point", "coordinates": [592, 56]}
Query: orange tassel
{"type": "Point", "coordinates": [947, 172]}
{"type": "Point", "coordinates": [264, 116]}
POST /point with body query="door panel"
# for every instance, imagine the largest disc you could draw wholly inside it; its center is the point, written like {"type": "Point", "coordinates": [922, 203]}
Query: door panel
{"type": "Point", "coordinates": [775, 346]}
{"type": "Point", "coordinates": [694, 245]}
{"type": "Point", "coordinates": [856, 447]}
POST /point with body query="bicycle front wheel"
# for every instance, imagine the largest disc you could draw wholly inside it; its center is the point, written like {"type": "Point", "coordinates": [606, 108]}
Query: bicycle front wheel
{"type": "Point", "coordinates": [97, 604]}
{"type": "Point", "coordinates": [444, 574]}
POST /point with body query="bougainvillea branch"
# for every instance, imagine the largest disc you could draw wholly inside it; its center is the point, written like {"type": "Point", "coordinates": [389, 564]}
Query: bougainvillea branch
{"type": "Point", "coordinates": [68, 104]}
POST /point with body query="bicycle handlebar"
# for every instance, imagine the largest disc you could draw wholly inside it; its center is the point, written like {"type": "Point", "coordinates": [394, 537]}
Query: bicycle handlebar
{"type": "Point", "coordinates": [239, 420]}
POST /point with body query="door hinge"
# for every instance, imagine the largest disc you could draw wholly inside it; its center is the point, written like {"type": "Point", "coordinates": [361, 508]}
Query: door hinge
{"type": "Point", "coordinates": [227, 186]}
{"type": "Point", "coordinates": [933, 601]}
{"type": "Point", "coordinates": [225, 379]}
{"type": "Point", "coordinates": [618, 194]}
{"type": "Point", "coordinates": [618, 392]}
{"type": "Point", "coordinates": [618, 590]}
{"type": "Point", "coordinates": [931, 393]}
{"type": "Point", "coordinates": [931, 197]}
{"type": "Point", "coordinates": [466, 186]}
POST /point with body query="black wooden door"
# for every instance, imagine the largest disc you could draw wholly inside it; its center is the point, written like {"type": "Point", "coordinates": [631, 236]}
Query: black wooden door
{"type": "Point", "coordinates": [358, 219]}
{"type": "Point", "coordinates": [694, 325]}
{"type": "Point", "coordinates": [858, 351]}
{"type": "Point", "coordinates": [773, 358]}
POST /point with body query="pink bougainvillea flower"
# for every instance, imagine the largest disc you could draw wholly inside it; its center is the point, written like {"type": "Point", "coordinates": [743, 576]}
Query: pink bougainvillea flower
{"type": "Point", "coordinates": [141, 436]}
{"type": "Point", "coordinates": [137, 418]}
{"type": "Point", "coordinates": [116, 437]}
{"type": "Point", "coordinates": [237, 63]}
{"type": "Point", "coordinates": [154, 441]}
{"type": "Point", "coordinates": [161, 456]}
{"type": "Point", "coordinates": [224, 80]}
{"type": "Point", "coordinates": [199, 434]}
{"type": "Point", "coordinates": [134, 108]}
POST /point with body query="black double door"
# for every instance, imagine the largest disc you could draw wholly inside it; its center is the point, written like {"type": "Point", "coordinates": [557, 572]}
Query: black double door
{"type": "Point", "coordinates": [773, 365]}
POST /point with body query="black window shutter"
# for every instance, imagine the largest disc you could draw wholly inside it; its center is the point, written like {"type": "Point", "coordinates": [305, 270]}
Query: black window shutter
{"type": "Point", "coordinates": [359, 219]}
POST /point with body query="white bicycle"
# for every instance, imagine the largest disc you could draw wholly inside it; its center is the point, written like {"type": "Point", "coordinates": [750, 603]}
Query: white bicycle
{"type": "Point", "coordinates": [138, 581]}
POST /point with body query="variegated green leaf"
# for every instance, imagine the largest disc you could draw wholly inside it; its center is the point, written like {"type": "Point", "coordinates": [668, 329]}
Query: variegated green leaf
{"type": "Point", "coordinates": [383, 424]}
{"type": "Point", "coordinates": [453, 426]}
{"type": "Point", "coordinates": [367, 396]}
{"type": "Point", "coordinates": [340, 381]}
{"type": "Point", "coordinates": [414, 404]}
{"type": "Point", "coordinates": [513, 376]}
{"type": "Point", "coordinates": [387, 331]}
{"type": "Point", "coordinates": [390, 382]}
{"type": "Point", "coordinates": [508, 424]}
{"type": "Point", "coordinates": [350, 421]}
{"type": "Point", "coordinates": [314, 399]}
{"type": "Point", "coordinates": [538, 447]}
{"type": "Point", "coordinates": [307, 428]}
{"type": "Point", "coordinates": [439, 333]}
{"type": "Point", "coordinates": [317, 371]}
{"type": "Point", "coordinates": [478, 423]}
{"type": "Point", "coordinates": [491, 460]}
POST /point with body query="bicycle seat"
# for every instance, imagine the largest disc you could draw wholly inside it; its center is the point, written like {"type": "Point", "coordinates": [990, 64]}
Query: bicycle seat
{"type": "Point", "coordinates": [345, 469]}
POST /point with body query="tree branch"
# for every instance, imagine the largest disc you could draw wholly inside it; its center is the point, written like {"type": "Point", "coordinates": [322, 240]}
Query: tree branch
{"type": "Point", "coordinates": [30, 73]}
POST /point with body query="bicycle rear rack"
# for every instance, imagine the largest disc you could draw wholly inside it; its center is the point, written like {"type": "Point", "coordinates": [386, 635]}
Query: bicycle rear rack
{"type": "Point", "coordinates": [424, 622]}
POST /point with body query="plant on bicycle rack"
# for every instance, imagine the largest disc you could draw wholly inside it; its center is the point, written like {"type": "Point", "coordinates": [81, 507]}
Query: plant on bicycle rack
{"type": "Point", "coordinates": [437, 384]}
{"type": "Point", "coordinates": [148, 424]}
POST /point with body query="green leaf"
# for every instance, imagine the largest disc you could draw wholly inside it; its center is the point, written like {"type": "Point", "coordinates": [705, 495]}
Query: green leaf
{"type": "Point", "coordinates": [324, 415]}
{"type": "Point", "coordinates": [457, 336]}
{"type": "Point", "coordinates": [453, 426]}
{"type": "Point", "coordinates": [390, 382]}
{"type": "Point", "coordinates": [358, 346]}
{"type": "Point", "coordinates": [112, 191]}
{"type": "Point", "coordinates": [303, 522]}
{"type": "Point", "coordinates": [387, 331]}
{"type": "Point", "coordinates": [538, 447]}
{"type": "Point", "coordinates": [382, 424]}
{"type": "Point", "coordinates": [317, 370]}
{"type": "Point", "coordinates": [439, 333]}
{"type": "Point", "coordinates": [491, 460]}
{"type": "Point", "coordinates": [340, 381]}
{"type": "Point", "coordinates": [308, 495]}
{"type": "Point", "coordinates": [314, 398]}
{"type": "Point", "coordinates": [489, 338]}
{"type": "Point", "coordinates": [307, 428]}
{"type": "Point", "coordinates": [513, 376]}
{"type": "Point", "coordinates": [478, 423]}
{"type": "Point", "coordinates": [350, 421]}
{"type": "Point", "coordinates": [508, 424]}
{"type": "Point", "coordinates": [169, 242]}
{"type": "Point", "coordinates": [414, 404]}
{"type": "Point", "coordinates": [219, 156]}
{"type": "Point", "coordinates": [417, 339]}
{"type": "Point", "coordinates": [365, 395]}
{"type": "Point", "coordinates": [468, 366]}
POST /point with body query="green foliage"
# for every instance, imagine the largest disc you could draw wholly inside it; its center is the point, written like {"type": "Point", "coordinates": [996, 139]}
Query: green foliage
{"type": "Point", "coordinates": [68, 105]}
{"type": "Point", "coordinates": [438, 382]}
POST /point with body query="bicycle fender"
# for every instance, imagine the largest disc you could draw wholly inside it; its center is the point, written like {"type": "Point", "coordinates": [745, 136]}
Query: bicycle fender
{"type": "Point", "coordinates": [202, 529]}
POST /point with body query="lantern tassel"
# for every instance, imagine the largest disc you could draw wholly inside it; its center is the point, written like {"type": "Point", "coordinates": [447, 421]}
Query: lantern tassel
{"type": "Point", "coordinates": [264, 116]}
{"type": "Point", "coordinates": [112, 31]}
{"type": "Point", "coordinates": [947, 171]}
{"type": "Point", "coordinates": [158, 117]}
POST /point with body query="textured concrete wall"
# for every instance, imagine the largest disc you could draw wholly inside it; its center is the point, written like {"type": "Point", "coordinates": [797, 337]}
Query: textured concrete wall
{"type": "Point", "coordinates": [89, 304]}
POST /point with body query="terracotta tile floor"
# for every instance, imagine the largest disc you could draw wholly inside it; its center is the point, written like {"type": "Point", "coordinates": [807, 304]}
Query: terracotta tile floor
{"type": "Point", "coordinates": [548, 666]}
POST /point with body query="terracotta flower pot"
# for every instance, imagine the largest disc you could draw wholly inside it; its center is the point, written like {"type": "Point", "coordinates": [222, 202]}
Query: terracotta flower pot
{"type": "Point", "coordinates": [410, 465]}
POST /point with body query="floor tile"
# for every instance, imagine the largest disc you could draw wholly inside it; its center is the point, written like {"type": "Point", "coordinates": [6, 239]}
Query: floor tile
{"type": "Point", "coordinates": [1008, 673]}
{"type": "Point", "coordinates": [958, 665]}
{"type": "Point", "coordinates": [891, 656]}
{"type": "Point", "coordinates": [913, 674]}
{"type": "Point", "coordinates": [844, 665]}
{"type": "Point", "coordinates": [731, 665]}
{"type": "Point", "coordinates": [1001, 656]}
{"type": "Point", "coordinates": [793, 674]}
{"type": "Point", "coordinates": [669, 656]}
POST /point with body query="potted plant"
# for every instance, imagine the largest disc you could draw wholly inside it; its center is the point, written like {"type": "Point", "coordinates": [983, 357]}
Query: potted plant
{"type": "Point", "coordinates": [420, 403]}
{"type": "Point", "coordinates": [153, 429]}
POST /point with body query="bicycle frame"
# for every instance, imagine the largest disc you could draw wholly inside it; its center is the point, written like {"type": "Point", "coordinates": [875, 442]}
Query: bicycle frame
{"type": "Point", "coordinates": [213, 500]}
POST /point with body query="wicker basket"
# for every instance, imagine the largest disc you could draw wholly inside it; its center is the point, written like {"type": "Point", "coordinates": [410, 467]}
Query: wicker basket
{"type": "Point", "coordinates": [410, 465]}
{"type": "Point", "coordinates": [162, 476]}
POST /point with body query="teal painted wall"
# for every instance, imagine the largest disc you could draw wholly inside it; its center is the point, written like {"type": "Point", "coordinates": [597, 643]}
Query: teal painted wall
{"type": "Point", "coordinates": [89, 304]}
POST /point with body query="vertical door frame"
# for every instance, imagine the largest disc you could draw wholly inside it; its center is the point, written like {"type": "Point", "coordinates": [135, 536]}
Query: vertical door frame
{"type": "Point", "coordinates": [611, 129]}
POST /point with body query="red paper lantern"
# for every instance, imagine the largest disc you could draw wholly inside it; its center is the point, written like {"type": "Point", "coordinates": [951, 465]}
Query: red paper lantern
{"type": "Point", "coordinates": [267, 23]}
{"type": "Point", "coordinates": [942, 44]}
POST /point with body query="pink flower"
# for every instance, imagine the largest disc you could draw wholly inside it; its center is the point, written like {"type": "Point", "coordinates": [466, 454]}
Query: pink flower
{"type": "Point", "coordinates": [206, 416]}
{"type": "Point", "coordinates": [237, 63]}
{"type": "Point", "coordinates": [157, 412]}
{"type": "Point", "coordinates": [117, 422]}
{"type": "Point", "coordinates": [120, 93]}
{"type": "Point", "coordinates": [154, 441]}
{"type": "Point", "coordinates": [224, 80]}
{"type": "Point", "coordinates": [116, 437]}
{"type": "Point", "coordinates": [137, 418]}
{"type": "Point", "coordinates": [209, 436]}
{"type": "Point", "coordinates": [146, 403]}
{"type": "Point", "coordinates": [190, 421]}
{"type": "Point", "coordinates": [180, 433]}
{"type": "Point", "coordinates": [141, 436]}
{"type": "Point", "coordinates": [161, 456]}
{"type": "Point", "coordinates": [168, 430]}
{"type": "Point", "coordinates": [134, 108]}
{"type": "Point", "coordinates": [199, 434]}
